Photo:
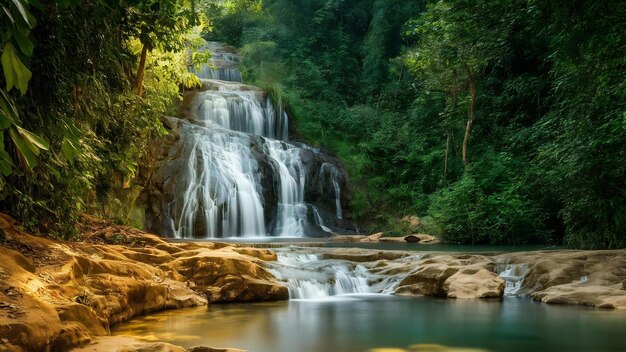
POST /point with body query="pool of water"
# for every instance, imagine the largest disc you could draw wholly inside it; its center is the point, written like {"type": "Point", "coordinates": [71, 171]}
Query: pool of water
{"type": "Point", "coordinates": [363, 322]}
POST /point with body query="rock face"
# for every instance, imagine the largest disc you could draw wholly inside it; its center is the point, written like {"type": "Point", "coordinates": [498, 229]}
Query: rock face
{"type": "Point", "coordinates": [58, 295]}
{"type": "Point", "coordinates": [594, 278]}
{"type": "Point", "coordinates": [454, 277]}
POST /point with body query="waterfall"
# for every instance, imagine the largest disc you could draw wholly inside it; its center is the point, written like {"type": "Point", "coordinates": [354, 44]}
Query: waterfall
{"type": "Point", "coordinates": [232, 171]}
{"type": "Point", "coordinates": [330, 172]}
{"type": "Point", "coordinates": [513, 275]}
{"type": "Point", "coordinates": [319, 220]}
{"type": "Point", "coordinates": [309, 277]}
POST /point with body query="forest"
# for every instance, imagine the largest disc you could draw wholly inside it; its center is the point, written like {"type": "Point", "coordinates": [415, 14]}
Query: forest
{"type": "Point", "coordinates": [494, 121]}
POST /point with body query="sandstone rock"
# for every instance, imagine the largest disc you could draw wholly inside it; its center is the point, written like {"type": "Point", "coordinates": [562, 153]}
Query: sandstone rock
{"type": "Point", "coordinates": [65, 294]}
{"type": "Point", "coordinates": [226, 275]}
{"type": "Point", "coordinates": [347, 238]}
{"type": "Point", "coordinates": [425, 239]}
{"type": "Point", "coordinates": [473, 283]}
{"type": "Point", "coordinates": [593, 278]}
{"type": "Point", "coordinates": [392, 239]}
{"type": "Point", "coordinates": [373, 238]}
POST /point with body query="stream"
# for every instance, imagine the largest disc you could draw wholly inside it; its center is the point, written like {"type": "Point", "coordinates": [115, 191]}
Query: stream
{"type": "Point", "coordinates": [339, 305]}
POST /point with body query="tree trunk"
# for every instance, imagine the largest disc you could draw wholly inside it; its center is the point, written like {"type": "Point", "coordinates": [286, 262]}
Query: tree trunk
{"type": "Point", "coordinates": [470, 113]}
{"type": "Point", "coordinates": [141, 69]}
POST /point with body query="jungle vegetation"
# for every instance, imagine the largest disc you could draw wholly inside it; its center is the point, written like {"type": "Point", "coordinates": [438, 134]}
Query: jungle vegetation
{"type": "Point", "coordinates": [495, 121]}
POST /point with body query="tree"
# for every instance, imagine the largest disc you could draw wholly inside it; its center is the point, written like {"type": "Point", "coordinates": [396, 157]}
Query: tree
{"type": "Point", "coordinates": [456, 39]}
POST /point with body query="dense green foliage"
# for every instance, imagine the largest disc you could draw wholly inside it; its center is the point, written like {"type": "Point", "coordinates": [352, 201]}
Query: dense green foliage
{"type": "Point", "coordinates": [496, 121]}
{"type": "Point", "coordinates": [78, 133]}
{"type": "Point", "coordinates": [534, 90]}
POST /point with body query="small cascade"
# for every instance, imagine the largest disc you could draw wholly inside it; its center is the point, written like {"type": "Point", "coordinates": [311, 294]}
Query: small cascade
{"type": "Point", "coordinates": [221, 66]}
{"type": "Point", "coordinates": [513, 275]}
{"type": "Point", "coordinates": [329, 172]}
{"type": "Point", "coordinates": [232, 171]}
{"type": "Point", "coordinates": [309, 277]}
{"type": "Point", "coordinates": [292, 211]}
{"type": "Point", "coordinates": [319, 221]}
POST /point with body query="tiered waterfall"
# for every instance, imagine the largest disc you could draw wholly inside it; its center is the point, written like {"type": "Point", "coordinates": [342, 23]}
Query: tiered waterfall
{"type": "Point", "coordinates": [231, 170]}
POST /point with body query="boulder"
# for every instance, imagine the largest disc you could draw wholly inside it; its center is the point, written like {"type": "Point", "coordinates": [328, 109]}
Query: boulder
{"type": "Point", "coordinates": [474, 283]}
{"type": "Point", "coordinates": [424, 238]}
{"type": "Point", "coordinates": [373, 238]}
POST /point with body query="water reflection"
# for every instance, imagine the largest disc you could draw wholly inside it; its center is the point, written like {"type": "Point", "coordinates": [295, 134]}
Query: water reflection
{"type": "Point", "coordinates": [385, 323]}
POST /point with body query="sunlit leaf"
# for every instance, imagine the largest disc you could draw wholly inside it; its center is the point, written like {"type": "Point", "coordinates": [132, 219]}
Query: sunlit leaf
{"type": "Point", "coordinates": [36, 141]}
{"type": "Point", "coordinates": [24, 151]}
{"type": "Point", "coordinates": [16, 73]}
{"type": "Point", "coordinates": [23, 11]}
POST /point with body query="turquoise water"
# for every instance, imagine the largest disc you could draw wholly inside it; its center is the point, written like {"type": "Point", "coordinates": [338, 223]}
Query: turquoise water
{"type": "Point", "coordinates": [359, 323]}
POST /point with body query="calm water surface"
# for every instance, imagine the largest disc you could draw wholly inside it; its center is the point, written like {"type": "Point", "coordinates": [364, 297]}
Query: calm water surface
{"type": "Point", "coordinates": [360, 323]}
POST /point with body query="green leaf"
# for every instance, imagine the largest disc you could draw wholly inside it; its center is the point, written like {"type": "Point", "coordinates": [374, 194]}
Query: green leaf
{"type": "Point", "coordinates": [27, 157]}
{"type": "Point", "coordinates": [26, 45]}
{"type": "Point", "coordinates": [33, 139]}
{"type": "Point", "coordinates": [25, 14]}
{"type": "Point", "coordinates": [69, 150]}
{"type": "Point", "coordinates": [16, 73]}
{"type": "Point", "coordinates": [8, 13]}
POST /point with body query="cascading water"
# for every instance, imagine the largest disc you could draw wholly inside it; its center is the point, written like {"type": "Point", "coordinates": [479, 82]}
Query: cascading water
{"type": "Point", "coordinates": [309, 275]}
{"type": "Point", "coordinates": [232, 171]}
{"type": "Point", "coordinates": [513, 275]}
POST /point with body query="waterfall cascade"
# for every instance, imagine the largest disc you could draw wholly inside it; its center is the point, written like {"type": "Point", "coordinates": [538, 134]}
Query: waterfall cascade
{"type": "Point", "coordinates": [312, 276]}
{"type": "Point", "coordinates": [231, 170]}
{"type": "Point", "coordinates": [513, 275]}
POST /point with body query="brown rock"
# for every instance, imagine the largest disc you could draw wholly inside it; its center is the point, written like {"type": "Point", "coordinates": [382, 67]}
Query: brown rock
{"type": "Point", "coordinates": [65, 294]}
{"type": "Point", "coordinates": [474, 283]}
{"type": "Point", "coordinates": [347, 238]}
{"type": "Point", "coordinates": [426, 239]}
{"type": "Point", "coordinates": [392, 239]}
{"type": "Point", "coordinates": [373, 238]}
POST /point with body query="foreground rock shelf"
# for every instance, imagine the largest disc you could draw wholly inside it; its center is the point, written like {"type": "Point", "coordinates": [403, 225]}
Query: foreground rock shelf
{"type": "Point", "coordinates": [58, 295]}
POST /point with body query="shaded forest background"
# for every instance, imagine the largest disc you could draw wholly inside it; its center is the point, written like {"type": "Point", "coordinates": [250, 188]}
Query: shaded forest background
{"type": "Point", "coordinates": [495, 121]}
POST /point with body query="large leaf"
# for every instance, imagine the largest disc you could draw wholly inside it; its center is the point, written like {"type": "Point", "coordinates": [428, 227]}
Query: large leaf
{"type": "Point", "coordinates": [24, 151]}
{"type": "Point", "coordinates": [8, 112]}
{"type": "Point", "coordinates": [21, 8]}
{"type": "Point", "coordinates": [16, 73]}
{"type": "Point", "coordinates": [25, 44]}
{"type": "Point", "coordinates": [35, 142]}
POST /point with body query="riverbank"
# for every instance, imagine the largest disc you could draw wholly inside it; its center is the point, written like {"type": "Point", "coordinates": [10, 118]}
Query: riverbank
{"type": "Point", "coordinates": [57, 295]}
